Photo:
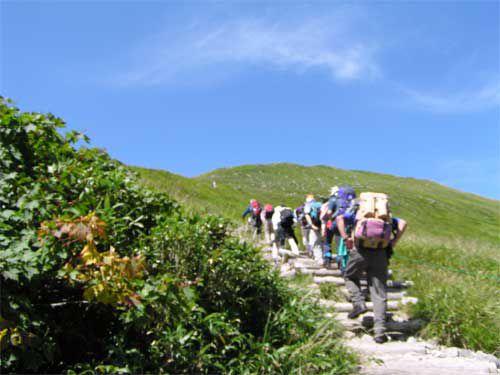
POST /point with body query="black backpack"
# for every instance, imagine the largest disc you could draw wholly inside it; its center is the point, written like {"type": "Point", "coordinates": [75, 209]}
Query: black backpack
{"type": "Point", "coordinates": [269, 214]}
{"type": "Point", "coordinates": [286, 217]}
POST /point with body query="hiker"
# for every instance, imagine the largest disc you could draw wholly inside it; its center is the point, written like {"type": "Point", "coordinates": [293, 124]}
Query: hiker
{"type": "Point", "coordinates": [255, 221]}
{"type": "Point", "coordinates": [341, 199]}
{"type": "Point", "coordinates": [283, 220]}
{"type": "Point", "coordinates": [328, 227]}
{"type": "Point", "coordinates": [266, 217]}
{"type": "Point", "coordinates": [375, 234]}
{"type": "Point", "coordinates": [312, 212]}
{"type": "Point", "coordinates": [304, 228]}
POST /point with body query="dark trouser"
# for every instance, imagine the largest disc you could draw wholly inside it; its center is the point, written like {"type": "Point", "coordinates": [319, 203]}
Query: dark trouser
{"type": "Point", "coordinates": [330, 236]}
{"type": "Point", "coordinates": [285, 232]}
{"type": "Point", "coordinates": [374, 262]}
{"type": "Point", "coordinates": [256, 224]}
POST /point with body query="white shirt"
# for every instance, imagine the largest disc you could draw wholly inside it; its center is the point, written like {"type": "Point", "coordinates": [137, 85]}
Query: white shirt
{"type": "Point", "coordinates": [277, 216]}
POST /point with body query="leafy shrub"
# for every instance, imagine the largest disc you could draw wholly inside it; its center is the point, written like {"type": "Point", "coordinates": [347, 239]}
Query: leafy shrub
{"type": "Point", "coordinates": [99, 274]}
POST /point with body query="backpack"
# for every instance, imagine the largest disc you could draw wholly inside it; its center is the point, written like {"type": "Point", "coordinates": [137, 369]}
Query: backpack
{"type": "Point", "coordinates": [324, 211]}
{"type": "Point", "coordinates": [286, 216]}
{"type": "Point", "coordinates": [315, 212]}
{"type": "Point", "coordinates": [345, 196]}
{"type": "Point", "coordinates": [301, 218]}
{"type": "Point", "coordinates": [268, 211]}
{"type": "Point", "coordinates": [256, 209]}
{"type": "Point", "coordinates": [373, 227]}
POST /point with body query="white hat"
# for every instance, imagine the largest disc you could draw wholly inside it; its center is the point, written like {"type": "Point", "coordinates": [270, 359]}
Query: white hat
{"type": "Point", "coordinates": [334, 190]}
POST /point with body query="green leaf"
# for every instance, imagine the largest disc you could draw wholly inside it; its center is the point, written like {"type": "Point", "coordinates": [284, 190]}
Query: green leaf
{"type": "Point", "coordinates": [11, 274]}
{"type": "Point", "coordinates": [29, 128]}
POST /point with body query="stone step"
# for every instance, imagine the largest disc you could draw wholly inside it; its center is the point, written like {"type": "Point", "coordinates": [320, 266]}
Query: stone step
{"type": "Point", "coordinates": [334, 271]}
{"type": "Point", "coordinates": [366, 322]}
{"type": "Point", "coordinates": [347, 307]}
{"type": "Point", "coordinates": [367, 346]}
{"type": "Point", "coordinates": [391, 296]}
{"type": "Point", "coordinates": [319, 271]}
{"type": "Point", "coordinates": [300, 264]}
{"type": "Point", "coordinates": [417, 357]}
{"type": "Point", "coordinates": [287, 253]}
{"type": "Point", "coordinates": [341, 281]}
{"type": "Point", "coordinates": [288, 274]}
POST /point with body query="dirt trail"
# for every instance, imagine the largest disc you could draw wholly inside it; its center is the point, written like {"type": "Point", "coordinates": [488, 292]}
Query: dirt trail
{"type": "Point", "coordinates": [405, 353]}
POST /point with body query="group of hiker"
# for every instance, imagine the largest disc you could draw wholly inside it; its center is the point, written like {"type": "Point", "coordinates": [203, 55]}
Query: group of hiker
{"type": "Point", "coordinates": [358, 233]}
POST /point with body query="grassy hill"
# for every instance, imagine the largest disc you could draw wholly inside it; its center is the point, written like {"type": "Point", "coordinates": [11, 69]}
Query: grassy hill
{"type": "Point", "coordinates": [450, 250]}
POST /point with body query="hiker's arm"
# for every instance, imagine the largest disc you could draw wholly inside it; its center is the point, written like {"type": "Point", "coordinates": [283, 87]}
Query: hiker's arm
{"type": "Point", "coordinates": [309, 221]}
{"type": "Point", "coordinates": [246, 212]}
{"type": "Point", "coordinates": [349, 243]}
{"type": "Point", "coordinates": [402, 225]}
{"type": "Point", "coordinates": [341, 226]}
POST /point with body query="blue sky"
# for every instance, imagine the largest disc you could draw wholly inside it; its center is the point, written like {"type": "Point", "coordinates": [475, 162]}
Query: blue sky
{"type": "Point", "coordinates": [407, 88]}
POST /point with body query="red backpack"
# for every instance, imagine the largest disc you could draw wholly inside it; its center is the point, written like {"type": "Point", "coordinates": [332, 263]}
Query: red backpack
{"type": "Point", "coordinates": [269, 211]}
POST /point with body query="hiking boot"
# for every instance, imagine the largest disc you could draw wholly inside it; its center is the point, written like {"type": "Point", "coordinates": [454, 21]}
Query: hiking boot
{"type": "Point", "coordinates": [357, 311]}
{"type": "Point", "coordinates": [381, 339]}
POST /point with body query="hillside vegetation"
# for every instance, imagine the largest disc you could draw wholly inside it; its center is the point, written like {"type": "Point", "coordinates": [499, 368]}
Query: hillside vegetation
{"type": "Point", "coordinates": [451, 250]}
{"type": "Point", "coordinates": [101, 275]}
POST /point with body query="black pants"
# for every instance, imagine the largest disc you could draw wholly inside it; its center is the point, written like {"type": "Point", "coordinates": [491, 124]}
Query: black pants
{"type": "Point", "coordinates": [285, 232]}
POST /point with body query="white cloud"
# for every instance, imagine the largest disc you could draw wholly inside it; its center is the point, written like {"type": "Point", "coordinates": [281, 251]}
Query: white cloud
{"type": "Point", "coordinates": [485, 97]}
{"type": "Point", "coordinates": [324, 43]}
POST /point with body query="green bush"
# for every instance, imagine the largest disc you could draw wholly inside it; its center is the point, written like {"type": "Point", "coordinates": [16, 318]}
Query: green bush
{"type": "Point", "coordinates": [101, 275]}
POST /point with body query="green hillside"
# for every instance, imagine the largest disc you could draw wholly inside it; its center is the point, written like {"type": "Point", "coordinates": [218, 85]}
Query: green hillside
{"type": "Point", "coordinates": [450, 250]}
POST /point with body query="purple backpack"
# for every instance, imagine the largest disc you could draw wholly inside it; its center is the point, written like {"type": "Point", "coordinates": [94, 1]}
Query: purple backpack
{"type": "Point", "coordinates": [345, 196]}
{"type": "Point", "coordinates": [373, 233]}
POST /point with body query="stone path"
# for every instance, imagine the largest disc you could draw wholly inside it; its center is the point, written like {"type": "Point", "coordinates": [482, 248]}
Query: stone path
{"type": "Point", "coordinates": [404, 354]}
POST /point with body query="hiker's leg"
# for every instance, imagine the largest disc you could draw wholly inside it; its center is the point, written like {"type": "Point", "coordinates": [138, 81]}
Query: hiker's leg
{"type": "Point", "coordinates": [305, 239]}
{"type": "Point", "coordinates": [255, 231]}
{"type": "Point", "coordinates": [377, 280]}
{"type": "Point", "coordinates": [281, 237]}
{"type": "Point", "coordinates": [315, 241]}
{"type": "Point", "coordinates": [267, 232]}
{"type": "Point", "coordinates": [277, 243]}
{"type": "Point", "coordinates": [337, 243]}
{"type": "Point", "coordinates": [355, 267]}
{"type": "Point", "coordinates": [292, 240]}
{"type": "Point", "coordinates": [327, 248]}
{"type": "Point", "coordinates": [290, 235]}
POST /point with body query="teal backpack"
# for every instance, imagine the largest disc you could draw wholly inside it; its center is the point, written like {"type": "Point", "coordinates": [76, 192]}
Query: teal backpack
{"type": "Point", "coordinates": [315, 212]}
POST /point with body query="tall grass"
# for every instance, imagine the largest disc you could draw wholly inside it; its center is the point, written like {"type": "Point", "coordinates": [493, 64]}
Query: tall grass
{"type": "Point", "coordinates": [458, 291]}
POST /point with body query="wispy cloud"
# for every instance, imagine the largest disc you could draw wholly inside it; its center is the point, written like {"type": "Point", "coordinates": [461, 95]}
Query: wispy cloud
{"type": "Point", "coordinates": [482, 98]}
{"type": "Point", "coordinates": [321, 43]}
